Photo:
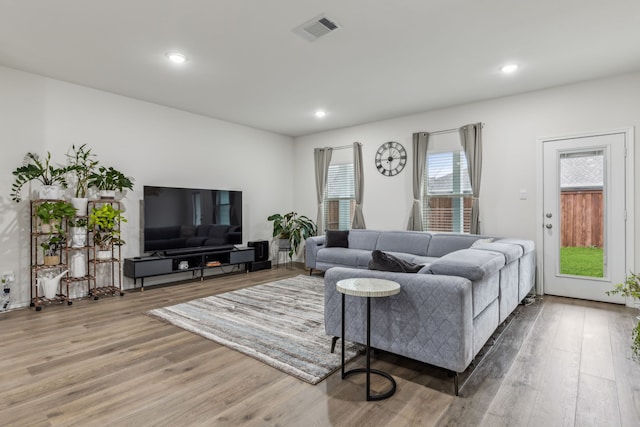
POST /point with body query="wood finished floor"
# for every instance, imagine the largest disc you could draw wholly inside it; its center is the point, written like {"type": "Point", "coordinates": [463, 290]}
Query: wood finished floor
{"type": "Point", "coordinates": [559, 362]}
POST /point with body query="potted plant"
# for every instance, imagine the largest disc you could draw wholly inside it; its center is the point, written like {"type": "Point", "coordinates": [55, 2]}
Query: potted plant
{"type": "Point", "coordinates": [52, 213]}
{"type": "Point", "coordinates": [51, 177]}
{"type": "Point", "coordinates": [631, 289]}
{"type": "Point", "coordinates": [82, 163]}
{"type": "Point", "coordinates": [78, 231]}
{"type": "Point", "coordinates": [105, 222]}
{"type": "Point", "coordinates": [292, 229]}
{"type": "Point", "coordinates": [108, 181]}
{"type": "Point", "coordinates": [51, 246]}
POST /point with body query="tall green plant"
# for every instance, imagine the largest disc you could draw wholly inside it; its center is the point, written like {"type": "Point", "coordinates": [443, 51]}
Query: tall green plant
{"type": "Point", "coordinates": [34, 169]}
{"type": "Point", "coordinates": [83, 163]}
{"type": "Point", "coordinates": [293, 228]}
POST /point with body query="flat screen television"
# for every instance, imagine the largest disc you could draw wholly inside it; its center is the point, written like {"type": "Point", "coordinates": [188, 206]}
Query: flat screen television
{"type": "Point", "coordinates": [190, 219]}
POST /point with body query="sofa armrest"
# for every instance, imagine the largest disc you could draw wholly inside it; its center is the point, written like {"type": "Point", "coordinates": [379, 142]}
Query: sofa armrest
{"type": "Point", "coordinates": [312, 245]}
{"type": "Point", "coordinates": [473, 264]}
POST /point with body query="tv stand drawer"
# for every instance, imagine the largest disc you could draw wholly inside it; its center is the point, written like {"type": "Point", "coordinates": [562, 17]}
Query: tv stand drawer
{"type": "Point", "coordinates": [136, 268]}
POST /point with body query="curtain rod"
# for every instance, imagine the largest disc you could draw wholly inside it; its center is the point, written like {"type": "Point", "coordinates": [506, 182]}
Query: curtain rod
{"type": "Point", "coordinates": [343, 147]}
{"type": "Point", "coordinates": [440, 132]}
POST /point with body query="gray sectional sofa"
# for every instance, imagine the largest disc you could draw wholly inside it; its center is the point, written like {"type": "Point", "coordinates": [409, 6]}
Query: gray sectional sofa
{"type": "Point", "coordinates": [445, 313]}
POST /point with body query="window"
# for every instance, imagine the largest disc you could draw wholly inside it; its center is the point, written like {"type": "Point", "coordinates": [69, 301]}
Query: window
{"type": "Point", "coordinates": [448, 197]}
{"type": "Point", "coordinates": [339, 202]}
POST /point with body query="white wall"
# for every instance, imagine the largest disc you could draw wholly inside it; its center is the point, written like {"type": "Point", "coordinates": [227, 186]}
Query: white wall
{"type": "Point", "coordinates": [153, 144]}
{"type": "Point", "coordinates": [513, 126]}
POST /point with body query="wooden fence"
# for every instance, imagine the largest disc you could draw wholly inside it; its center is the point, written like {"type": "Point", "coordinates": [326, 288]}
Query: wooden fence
{"type": "Point", "coordinates": [582, 218]}
{"type": "Point", "coordinates": [439, 214]}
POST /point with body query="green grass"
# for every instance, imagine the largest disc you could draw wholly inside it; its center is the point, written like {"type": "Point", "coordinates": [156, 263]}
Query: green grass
{"type": "Point", "coordinates": [580, 261]}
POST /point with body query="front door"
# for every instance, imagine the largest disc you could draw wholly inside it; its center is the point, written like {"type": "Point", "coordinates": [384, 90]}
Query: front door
{"type": "Point", "coordinates": [584, 214]}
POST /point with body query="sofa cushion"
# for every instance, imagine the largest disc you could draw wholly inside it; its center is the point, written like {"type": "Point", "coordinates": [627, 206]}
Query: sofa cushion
{"type": "Point", "coordinates": [444, 243]}
{"type": "Point", "coordinates": [363, 239]}
{"type": "Point", "coordinates": [473, 264]}
{"type": "Point", "coordinates": [386, 262]}
{"type": "Point", "coordinates": [410, 242]}
{"type": "Point", "coordinates": [341, 256]}
{"type": "Point", "coordinates": [337, 239]}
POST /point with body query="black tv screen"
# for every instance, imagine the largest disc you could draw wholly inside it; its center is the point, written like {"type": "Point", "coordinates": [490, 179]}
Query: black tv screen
{"type": "Point", "coordinates": [185, 219]}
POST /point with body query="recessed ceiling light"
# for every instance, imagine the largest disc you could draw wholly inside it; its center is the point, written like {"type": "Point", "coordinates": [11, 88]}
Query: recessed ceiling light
{"type": "Point", "coordinates": [176, 57]}
{"type": "Point", "coordinates": [320, 114]}
{"type": "Point", "coordinates": [509, 68]}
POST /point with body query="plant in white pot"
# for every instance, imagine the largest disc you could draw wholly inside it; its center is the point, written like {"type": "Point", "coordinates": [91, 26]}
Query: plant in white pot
{"type": "Point", "coordinates": [82, 164]}
{"type": "Point", "coordinates": [51, 177]}
{"type": "Point", "coordinates": [631, 289]}
{"type": "Point", "coordinates": [109, 180]}
{"type": "Point", "coordinates": [105, 222]}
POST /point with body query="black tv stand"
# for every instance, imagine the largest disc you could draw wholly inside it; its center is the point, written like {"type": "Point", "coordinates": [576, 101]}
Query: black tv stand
{"type": "Point", "coordinates": [196, 260]}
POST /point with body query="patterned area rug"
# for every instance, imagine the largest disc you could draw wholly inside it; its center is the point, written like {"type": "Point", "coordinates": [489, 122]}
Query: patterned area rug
{"type": "Point", "coordinates": [279, 323]}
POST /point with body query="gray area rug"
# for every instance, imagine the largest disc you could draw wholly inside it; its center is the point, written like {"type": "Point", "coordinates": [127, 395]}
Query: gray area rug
{"type": "Point", "coordinates": [280, 324]}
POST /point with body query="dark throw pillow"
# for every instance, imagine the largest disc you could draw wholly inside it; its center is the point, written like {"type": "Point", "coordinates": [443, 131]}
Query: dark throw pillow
{"type": "Point", "coordinates": [337, 239]}
{"type": "Point", "coordinates": [385, 262]}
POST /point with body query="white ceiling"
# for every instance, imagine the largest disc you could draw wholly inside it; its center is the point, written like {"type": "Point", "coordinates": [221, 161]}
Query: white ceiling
{"type": "Point", "coordinates": [389, 59]}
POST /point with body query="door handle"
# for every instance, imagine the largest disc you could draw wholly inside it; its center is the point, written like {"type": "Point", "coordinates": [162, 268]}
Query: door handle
{"type": "Point", "coordinates": [548, 225]}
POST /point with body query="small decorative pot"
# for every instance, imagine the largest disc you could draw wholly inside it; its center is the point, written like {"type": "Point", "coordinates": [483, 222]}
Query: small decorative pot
{"type": "Point", "coordinates": [108, 194]}
{"type": "Point", "coordinates": [284, 244]}
{"type": "Point", "coordinates": [52, 259]}
{"type": "Point", "coordinates": [49, 192]}
{"type": "Point", "coordinates": [103, 254]}
{"type": "Point", "coordinates": [80, 203]}
{"type": "Point", "coordinates": [78, 265]}
{"type": "Point", "coordinates": [78, 236]}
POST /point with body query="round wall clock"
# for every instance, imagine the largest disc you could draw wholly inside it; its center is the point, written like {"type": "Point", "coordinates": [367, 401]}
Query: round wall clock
{"type": "Point", "coordinates": [391, 158]}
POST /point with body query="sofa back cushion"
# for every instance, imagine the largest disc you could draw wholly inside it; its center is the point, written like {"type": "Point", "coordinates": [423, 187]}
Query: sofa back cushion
{"type": "Point", "coordinates": [363, 239]}
{"type": "Point", "coordinates": [444, 243]}
{"type": "Point", "coordinates": [472, 264]}
{"type": "Point", "coordinates": [409, 242]}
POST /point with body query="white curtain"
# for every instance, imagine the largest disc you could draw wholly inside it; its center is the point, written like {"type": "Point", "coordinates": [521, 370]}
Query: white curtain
{"type": "Point", "coordinates": [471, 139]}
{"type": "Point", "coordinates": [358, 217]}
{"type": "Point", "coordinates": [420, 144]}
{"type": "Point", "coordinates": [322, 159]}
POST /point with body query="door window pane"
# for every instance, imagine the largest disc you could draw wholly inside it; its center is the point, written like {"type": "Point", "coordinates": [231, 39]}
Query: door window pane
{"type": "Point", "coordinates": [582, 196]}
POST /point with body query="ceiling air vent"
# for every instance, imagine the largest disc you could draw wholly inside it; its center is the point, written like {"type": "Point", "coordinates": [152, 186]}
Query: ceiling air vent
{"type": "Point", "coordinates": [316, 28]}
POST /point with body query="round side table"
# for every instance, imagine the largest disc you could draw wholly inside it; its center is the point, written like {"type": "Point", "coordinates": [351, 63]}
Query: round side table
{"type": "Point", "coordinates": [369, 288]}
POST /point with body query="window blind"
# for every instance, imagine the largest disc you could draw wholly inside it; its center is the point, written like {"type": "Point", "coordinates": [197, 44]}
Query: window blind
{"type": "Point", "coordinates": [447, 197]}
{"type": "Point", "coordinates": [340, 197]}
